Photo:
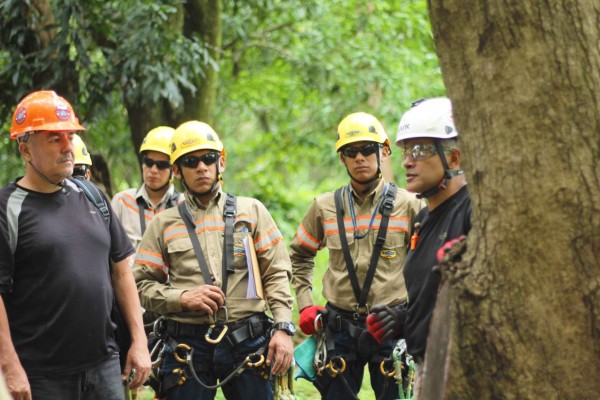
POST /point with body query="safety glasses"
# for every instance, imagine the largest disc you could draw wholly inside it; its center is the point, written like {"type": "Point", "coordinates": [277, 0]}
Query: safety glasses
{"type": "Point", "coordinates": [193, 161]}
{"type": "Point", "coordinates": [365, 150]}
{"type": "Point", "coordinates": [420, 151]}
{"type": "Point", "coordinates": [160, 164]}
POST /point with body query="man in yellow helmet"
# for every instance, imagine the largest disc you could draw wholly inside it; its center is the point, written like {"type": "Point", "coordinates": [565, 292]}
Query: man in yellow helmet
{"type": "Point", "coordinates": [136, 207]}
{"type": "Point", "coordinates": [63, 267]}
{"type": "Point", "coordinates": [212, 267]}
{"type": "Point", "coordinates": [81, 159]}
{"type": "Point", "coordinates": [364, 225]}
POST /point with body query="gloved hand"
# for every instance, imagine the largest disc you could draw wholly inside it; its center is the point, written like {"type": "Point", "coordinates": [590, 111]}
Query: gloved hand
{"type": "Point", "coordinates": [307, 320]}
{"type": "Point", "coordinates": [385, 323]}
{"type": "Point", "coordinates": [452, 250]}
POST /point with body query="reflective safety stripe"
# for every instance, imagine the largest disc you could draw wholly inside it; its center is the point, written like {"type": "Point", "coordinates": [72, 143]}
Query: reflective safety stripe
{"type": "Point", "coordinates": [151, 259]}
{"type": "Point", "coordinates": [131, 204]}
{"type": "Point", "coordinates": [306, 239]}
{"type": "Point", "coordinates": [204, 225]}
{"type": "Point", "coordinates": [267, 241]}
{"type": "Point", "coordinates": [362, 223]}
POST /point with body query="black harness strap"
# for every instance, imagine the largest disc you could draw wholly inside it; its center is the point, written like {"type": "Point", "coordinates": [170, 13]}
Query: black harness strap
{"type": "Point", "coordinates": [141, 203]}
{"type": "Point", "coordinates": [95, 196]}
{"type": "Point", "coordinates": [229, 213]}
{"type": "Point", "coordinates": [191, 228]}
{"type": "Point", "coordinates": [142, 206]}
{"type": "Point", "coordinates": [386, 208]}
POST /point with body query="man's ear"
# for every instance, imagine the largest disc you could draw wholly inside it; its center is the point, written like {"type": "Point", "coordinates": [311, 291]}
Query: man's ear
{"type": "Point", "coordinates": [342, 159]}
{"type": "Point", "coordinates": [176, 171]}
{"type": "Point", "coordinates": [454, 159]}
{"type": "Point", "coordinates": [222, 164]}
{"type": "Point", "coordinates": [25, 151]}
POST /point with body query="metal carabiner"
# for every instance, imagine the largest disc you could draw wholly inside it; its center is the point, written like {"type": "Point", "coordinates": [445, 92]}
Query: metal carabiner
{"type": "Point", "coordinates": [185, 348]}
{"type": "Point", "coordinates": [383, 369]}
{"type": "Point", "coordinates": [341, 369]}
{"type": "Point", "coordinates": [208, 335]}
{"type": "Point", "coordinates": [258, 363]}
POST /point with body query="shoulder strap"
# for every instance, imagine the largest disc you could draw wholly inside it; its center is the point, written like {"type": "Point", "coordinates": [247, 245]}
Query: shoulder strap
{"type": "Point", "coordinates": [141, 203]}
{"type": "Point", "coordinates": [229, 213]}
{"type": "Point", "coordinates": [386, 207]}
{"type": "Point", "coordinates": [191, 228]}
{"type": "Point", "coordinates": [95, 196]}
{"type": "Point", "coordinates": [339, 212]}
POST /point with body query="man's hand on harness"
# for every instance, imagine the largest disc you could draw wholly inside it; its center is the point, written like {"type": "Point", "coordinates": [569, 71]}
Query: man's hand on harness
{"type": "Point", "coordinates": [205, 298]}
{"type": "Point", "coordinates": [307, 319]}
{"type": "Point", "coordinates": [385, 323]}
{"type": "Point", "coordinates": [281, 353]}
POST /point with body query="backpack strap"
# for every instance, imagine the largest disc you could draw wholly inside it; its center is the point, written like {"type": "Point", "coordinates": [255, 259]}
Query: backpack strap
{"type": "Point", "coordinates": [94, 194]}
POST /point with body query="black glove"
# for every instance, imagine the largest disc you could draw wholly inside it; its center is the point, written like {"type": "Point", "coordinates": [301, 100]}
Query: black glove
{"type": "Point", "coordinates": [385, 323]}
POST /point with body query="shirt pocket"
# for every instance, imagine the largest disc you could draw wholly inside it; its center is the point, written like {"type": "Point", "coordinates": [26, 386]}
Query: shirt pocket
{"type": "Point", "coordinates": [239, 249]}
{"type": "Point", "coordinates": [336, 252]}
{"type": "Point", "coordinates": [393, 251]}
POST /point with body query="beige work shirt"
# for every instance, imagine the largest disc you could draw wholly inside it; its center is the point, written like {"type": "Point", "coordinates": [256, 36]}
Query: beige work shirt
{"type": "Point", "coordinates": [319, 229]}
{"type": "Point", "coordinates": [165, 264]}
{"type": "Point", "coordinates": [126, 209]}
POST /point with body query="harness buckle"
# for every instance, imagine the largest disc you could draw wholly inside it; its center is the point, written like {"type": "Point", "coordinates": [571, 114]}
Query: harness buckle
{"type": "Point", "coordinates": [182, 347]}
{"type": "Point", "coordinates": [357, 311]}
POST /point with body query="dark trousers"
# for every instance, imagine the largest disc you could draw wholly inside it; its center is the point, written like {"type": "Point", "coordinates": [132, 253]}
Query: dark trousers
{"type": "Point", "coordinates": [335, 388]}
{"type": "Point", "coordinates": [102, 382]}
{"type": "Point", "coordinates": [215, 362]}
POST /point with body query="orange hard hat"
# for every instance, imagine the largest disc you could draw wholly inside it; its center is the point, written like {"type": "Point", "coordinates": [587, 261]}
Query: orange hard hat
{"type": "Point", "coordinates": [43, 110]}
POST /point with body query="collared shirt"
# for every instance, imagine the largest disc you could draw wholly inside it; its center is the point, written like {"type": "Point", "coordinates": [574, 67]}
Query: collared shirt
{"type": "Point", "coordinates": [166, 265]}
{"type": "Point", "coordinates": [319, 229]}
{"type": "Point", "coordinates": [125, 205]}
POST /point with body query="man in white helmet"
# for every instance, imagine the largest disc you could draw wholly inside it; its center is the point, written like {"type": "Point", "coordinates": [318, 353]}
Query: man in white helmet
{"type": "Point", "coordinates": [432, 159]}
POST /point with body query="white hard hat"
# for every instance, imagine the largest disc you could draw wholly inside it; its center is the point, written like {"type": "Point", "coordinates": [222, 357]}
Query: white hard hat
{"type": "Point", "coordinates": [428, 118]}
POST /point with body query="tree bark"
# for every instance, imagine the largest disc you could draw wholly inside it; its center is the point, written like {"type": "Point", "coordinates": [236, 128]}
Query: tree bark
{"type": "Point", "coordinates": [202, 18]}
{"type": "Point", "coordinates": [523, 307]}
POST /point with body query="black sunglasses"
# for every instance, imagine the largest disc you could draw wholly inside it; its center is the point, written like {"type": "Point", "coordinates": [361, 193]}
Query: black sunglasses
{"type": "Point", "coordinates": [365, 150]}
{"type": "Point", "coordinates": [193, 161]}
{"type": "Point", "coordinates": [160, 164]}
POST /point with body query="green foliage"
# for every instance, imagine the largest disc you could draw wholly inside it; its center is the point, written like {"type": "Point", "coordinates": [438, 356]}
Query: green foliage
{"type": "Point", "coordinates": [294, 69]}
{"type": "Point", "coordinates": [289, 72]}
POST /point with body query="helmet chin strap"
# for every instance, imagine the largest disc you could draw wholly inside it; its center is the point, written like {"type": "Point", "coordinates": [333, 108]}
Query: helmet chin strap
{"type": "Point", "coordinates": [448, 174]}
{"type": "Point", "coordinates": [213, 187]}
{"type": "Point", "coordinates": [60, 184]}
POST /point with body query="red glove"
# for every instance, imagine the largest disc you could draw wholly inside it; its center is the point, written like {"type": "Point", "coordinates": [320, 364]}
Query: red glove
{"type": "Point", "coordinates": [308, 315]}
{"type": "Point", "coordinates": [385, 323]}
{"type": "Point", "coordinates": [448, 248]}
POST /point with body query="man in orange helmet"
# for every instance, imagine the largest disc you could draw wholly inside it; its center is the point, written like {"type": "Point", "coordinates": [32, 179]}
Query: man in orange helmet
{"type": "Point", "coordinates": [57, 284]}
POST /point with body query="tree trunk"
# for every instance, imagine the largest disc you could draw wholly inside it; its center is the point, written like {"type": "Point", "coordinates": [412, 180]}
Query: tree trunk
{"type": "Point", "coordinates": [202, 18]}
{"type": "Point", "coordinates": [523, 307]}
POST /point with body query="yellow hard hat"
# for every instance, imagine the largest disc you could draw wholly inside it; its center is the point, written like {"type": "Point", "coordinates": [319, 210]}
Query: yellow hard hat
{"type": "Point", "coordinates": [82, 156]}
{"type": "Point", "coordinates": [360, 127]}
{"type": "Point", "coordinates": [192, 136]}
{"type": "Point", "coordinates": [158, 139]}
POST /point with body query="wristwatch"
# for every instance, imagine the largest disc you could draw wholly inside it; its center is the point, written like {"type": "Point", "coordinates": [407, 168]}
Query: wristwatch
{"type": "Point", "coordinates": [287, 327]}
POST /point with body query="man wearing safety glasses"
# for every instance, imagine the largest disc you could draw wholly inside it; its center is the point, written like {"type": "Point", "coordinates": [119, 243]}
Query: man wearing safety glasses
{"type": "Point", "coordinates": [432, 159]}
{"type": "Point", "coordinates": [136, 207]}
{"type": "Point", "coordinates": [364, 225]}
{"type": "Point", "coordinates": [212, 267]}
